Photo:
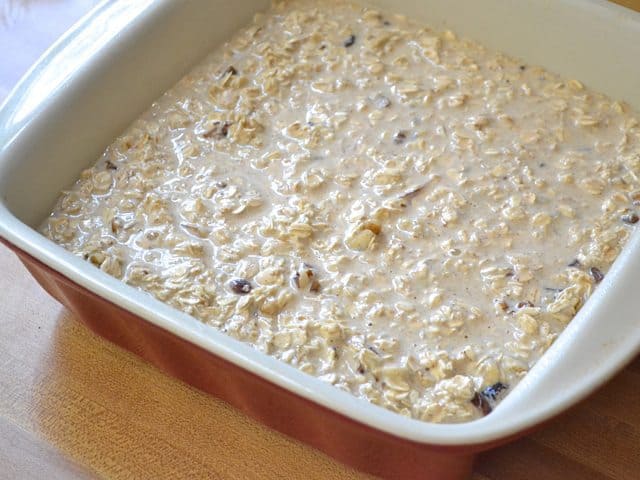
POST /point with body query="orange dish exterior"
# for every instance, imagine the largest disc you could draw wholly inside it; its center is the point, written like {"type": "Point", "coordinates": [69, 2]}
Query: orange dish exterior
{"type": "Point", "coordinates": [355, 444]}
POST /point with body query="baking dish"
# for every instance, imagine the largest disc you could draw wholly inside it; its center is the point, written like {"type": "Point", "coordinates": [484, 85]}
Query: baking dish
{"type": "Point", "coordinates": [117, 60]}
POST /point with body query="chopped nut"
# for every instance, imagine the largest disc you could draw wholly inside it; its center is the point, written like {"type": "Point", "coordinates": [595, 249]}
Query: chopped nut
{"type": "Point", "coordinates": [116, 225]}
{"type": "Point", "coordinates": [363, 235]}
{"type": "Point", "coordinates": [361, 239]}
{"type": "Point", "coordinates": [315, 286]}
{"type": "Point", "coordinates": [306, 278]}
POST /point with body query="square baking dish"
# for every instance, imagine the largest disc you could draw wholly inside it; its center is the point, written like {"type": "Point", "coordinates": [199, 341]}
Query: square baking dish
{"type": "Point", "coordinates": [123, 55]}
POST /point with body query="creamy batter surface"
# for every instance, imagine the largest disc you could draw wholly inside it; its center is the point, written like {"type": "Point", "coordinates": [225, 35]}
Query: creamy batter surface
{"type": "Point", "coordinates": [401, 213]}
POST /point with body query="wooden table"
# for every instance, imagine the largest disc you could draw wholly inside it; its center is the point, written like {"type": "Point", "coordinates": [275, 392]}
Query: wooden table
{"type": "Point", "coordinates": [73, 406]}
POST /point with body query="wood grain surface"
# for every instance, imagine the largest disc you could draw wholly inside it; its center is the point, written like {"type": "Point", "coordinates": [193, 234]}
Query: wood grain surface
{"type": "Point", "coordinates": [73, 406]}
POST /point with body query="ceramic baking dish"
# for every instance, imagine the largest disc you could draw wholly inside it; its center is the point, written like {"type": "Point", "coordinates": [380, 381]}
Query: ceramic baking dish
{"type": "Point", "coordinates": [106, 70]}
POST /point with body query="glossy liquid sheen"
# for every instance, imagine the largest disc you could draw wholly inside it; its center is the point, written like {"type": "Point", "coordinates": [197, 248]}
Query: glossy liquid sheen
{"type": "Point", "coordinates": [401, 213]}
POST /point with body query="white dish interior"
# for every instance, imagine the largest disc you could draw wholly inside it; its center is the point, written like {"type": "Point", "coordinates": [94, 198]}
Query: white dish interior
{"type": "Point", "coordinates": [101, 75]}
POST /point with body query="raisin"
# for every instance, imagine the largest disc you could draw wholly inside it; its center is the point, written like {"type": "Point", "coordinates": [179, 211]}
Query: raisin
{"type": "Point", "coordinates": [483, 400]}
{"type": "Point", "coordinates": [596, 274]}
{"type": "Point", "coordinates": [350, 41]}
{"type": "Point", "coordinates": [524, 304]}
{"type": "Point", "coordinates": [630, 218]}
{"type": "Point", "coordinates": [480, 402]}
{"type": "Point", "coordinates": [219, 130]}
{"type": "Point", "coordinates": [399, 137]}
{"type": "Point", "coordinates": [523, 68]}
{"type": "Point", "coordinates": [494, 390]}
{"type": "Point", "coordinates": [240, 286]}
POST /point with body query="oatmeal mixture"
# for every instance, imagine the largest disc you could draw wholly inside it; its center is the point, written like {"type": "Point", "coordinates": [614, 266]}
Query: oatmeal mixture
{"type": "Point", "coordinates": [397, 211]}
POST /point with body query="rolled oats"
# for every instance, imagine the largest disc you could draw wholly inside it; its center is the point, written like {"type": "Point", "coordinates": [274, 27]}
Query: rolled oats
{"type": "Point", "coordinates": [403, 214]}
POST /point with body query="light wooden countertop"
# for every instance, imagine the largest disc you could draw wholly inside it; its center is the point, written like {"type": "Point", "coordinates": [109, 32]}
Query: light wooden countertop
{"type": "Point", "coordinates": [73, 406]}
